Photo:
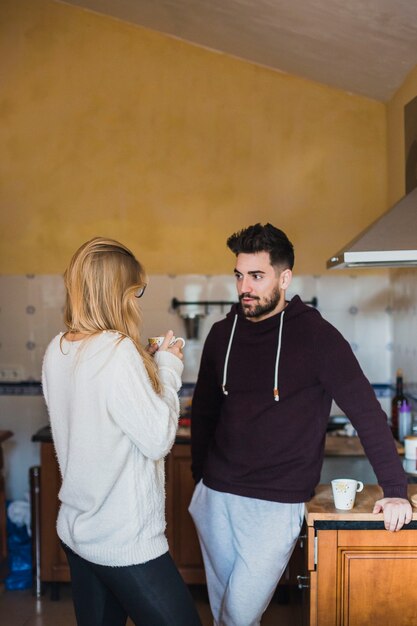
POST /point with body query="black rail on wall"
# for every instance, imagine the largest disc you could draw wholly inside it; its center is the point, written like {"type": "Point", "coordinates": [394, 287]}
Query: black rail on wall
{"type": "Point", "coordinates": [175, 303]}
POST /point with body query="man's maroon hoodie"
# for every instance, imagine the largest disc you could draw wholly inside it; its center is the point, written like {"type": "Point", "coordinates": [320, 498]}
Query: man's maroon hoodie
{"type": "Point", "coordinates": [262, 402]}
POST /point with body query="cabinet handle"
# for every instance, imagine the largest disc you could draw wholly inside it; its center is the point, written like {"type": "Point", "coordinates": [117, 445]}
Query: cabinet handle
{"type": "Point", "coordinates": [301, 539]}
{"type": "Point", "coordinates": [302, 580]}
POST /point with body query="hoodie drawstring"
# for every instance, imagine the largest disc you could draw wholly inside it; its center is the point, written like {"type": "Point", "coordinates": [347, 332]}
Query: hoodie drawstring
{"type": "Point", "coordinates": [276, 392]}
{"type": "Point", "coordinates": [229, 347]}
{"type": "Point", "coordinates": [227, 356]}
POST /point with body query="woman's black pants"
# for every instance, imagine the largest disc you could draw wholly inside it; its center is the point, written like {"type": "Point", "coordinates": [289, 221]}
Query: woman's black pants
{"type": "Point", "coordinates": [151, 594]}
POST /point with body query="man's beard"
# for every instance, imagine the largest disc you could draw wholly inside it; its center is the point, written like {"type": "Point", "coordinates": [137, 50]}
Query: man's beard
{"type": "Point", "coordinates": [261, 309]}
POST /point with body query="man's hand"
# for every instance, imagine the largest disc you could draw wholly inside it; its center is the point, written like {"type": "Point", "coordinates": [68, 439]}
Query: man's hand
{"type": "Point", "coordinates": [397, 512]}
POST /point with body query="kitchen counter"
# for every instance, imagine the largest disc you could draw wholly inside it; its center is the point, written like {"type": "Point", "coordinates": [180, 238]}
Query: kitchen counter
{"type": "Point", "coordinates": [43, 435]}
{"type": "Point", "coordinates": [358, 573]}
{"type": "Point", "coordinates": [320, 512]}
{"type": "Point", "coordinates": [335, 446]}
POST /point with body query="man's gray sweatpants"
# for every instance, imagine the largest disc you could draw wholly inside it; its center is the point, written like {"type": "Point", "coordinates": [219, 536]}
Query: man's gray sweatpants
{"type": "Point", "coordinates": [246, 544]}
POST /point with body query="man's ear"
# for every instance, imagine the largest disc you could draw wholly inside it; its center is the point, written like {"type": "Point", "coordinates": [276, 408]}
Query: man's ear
{"type": "Point", "coordinates": [285, 279]}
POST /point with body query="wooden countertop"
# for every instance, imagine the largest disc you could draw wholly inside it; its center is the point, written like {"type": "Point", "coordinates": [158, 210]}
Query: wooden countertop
{"type": "Point", "coordinates": [43, 435]}
{"type": "Point", "coordinates": [321, 506]}
{"type": "Point", "coordinates": [337, 445]}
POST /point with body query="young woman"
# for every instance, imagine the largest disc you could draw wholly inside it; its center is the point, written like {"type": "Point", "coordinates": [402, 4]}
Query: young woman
{"type": "Point", "coordinates": [114, 409]}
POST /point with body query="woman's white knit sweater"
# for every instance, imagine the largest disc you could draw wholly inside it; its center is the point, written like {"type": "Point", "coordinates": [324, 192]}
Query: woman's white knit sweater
{"type": "Point", "coordinates": [111, 432]}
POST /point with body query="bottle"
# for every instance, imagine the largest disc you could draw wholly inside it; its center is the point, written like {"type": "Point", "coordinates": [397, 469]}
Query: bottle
{"type": "Point", "coordinates": [404, 421]}
{"type": "Point", "coordinates": [396, 402]}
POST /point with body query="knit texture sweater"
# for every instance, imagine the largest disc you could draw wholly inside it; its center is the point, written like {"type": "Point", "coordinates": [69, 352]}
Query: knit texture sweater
{"type": "Point", "coordinates": [111, 432]}
{"type": "Point", "coordinates": [250, 442]}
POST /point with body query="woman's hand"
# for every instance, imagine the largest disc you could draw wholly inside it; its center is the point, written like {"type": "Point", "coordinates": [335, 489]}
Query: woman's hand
{"type": "Point", "coordinates": [175, 349]}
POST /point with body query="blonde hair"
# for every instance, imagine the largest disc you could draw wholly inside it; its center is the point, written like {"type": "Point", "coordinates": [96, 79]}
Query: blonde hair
{"type": "Point", "coordinates": [101, 281]}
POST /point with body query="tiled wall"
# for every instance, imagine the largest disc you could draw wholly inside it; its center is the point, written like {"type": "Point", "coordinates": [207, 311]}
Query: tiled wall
{"type": "Point", "coordinates": [31, 312]}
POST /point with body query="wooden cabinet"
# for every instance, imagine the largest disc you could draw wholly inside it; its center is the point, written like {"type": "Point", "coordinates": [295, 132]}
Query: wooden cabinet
{"type": "Point", "coordinates": [54, 567]}
{"type": "Point", "coordinates": [181, 533]}
{"type": "Point", "coordinates": [4, 434]}
{"type": "Point", "coordinates": [359, 573]}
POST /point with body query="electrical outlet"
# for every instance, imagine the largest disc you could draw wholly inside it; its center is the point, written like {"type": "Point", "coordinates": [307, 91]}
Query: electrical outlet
{"type": "Point", "coordinates": [11, 373]}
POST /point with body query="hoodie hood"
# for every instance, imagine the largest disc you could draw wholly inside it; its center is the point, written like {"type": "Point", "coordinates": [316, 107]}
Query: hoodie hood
{"type": "Point", "coordinates": [293, 308]}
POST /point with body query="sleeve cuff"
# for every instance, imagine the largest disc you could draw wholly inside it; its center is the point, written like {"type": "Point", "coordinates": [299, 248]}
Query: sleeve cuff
{"type": "Point", "coordinates": [166, 359]}
{"type": "Point", "coordinates": [396, 492]}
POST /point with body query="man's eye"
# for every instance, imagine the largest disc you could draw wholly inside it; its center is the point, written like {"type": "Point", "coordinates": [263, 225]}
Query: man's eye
{"type": "Point", "coordinates": [257, 276]}
{"type": "Point", "coordinates": [238, 276]}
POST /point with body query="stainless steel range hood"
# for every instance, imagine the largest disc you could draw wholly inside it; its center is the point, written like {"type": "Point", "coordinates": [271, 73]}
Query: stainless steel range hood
{"type": "Point", "coordinates": [390, 241]}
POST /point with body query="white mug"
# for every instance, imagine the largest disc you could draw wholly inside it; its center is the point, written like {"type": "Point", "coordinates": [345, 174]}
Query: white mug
{"type": "Point", "coordinates": [344, 492]}
{"type": "Point", "coordinates": [159, 341]}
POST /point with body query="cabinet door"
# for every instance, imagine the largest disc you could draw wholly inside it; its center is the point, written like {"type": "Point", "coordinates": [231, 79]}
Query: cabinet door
{"type": "Point", "coordinates": [377, 578]}
{"type": "Point", "coordinates": [54, 566]}
{"type": "Point", "coordinates": [323, 600]}
{"type": "Point", "coordinates": [185, 547]}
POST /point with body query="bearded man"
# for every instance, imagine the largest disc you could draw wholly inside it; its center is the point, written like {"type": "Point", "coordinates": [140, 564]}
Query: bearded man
{"type": "Point", "coordinates": [269, 372]}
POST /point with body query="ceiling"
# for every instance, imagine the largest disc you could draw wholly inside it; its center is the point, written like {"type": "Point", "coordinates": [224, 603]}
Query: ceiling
{"type": "Point", "coordinates": [366, 47]}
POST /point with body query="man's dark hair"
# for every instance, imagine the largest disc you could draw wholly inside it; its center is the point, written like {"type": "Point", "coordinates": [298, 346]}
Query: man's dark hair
{"type": "Point", "coordinates": [267, 238]}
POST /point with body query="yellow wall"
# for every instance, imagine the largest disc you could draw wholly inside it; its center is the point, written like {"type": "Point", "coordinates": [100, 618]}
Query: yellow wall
{"type": "Point", "coordinates": [396, 156]}
{"type": "Point", "coordinates": [107, 128]}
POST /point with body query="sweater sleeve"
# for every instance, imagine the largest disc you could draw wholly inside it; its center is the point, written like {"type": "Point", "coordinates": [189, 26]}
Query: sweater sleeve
{"type": "Point", "coordinates": [342, 376]}
{"type": "Point", "coordinates": [205, 410]}
{"type": "Point", "coordinates": [148, 419]}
